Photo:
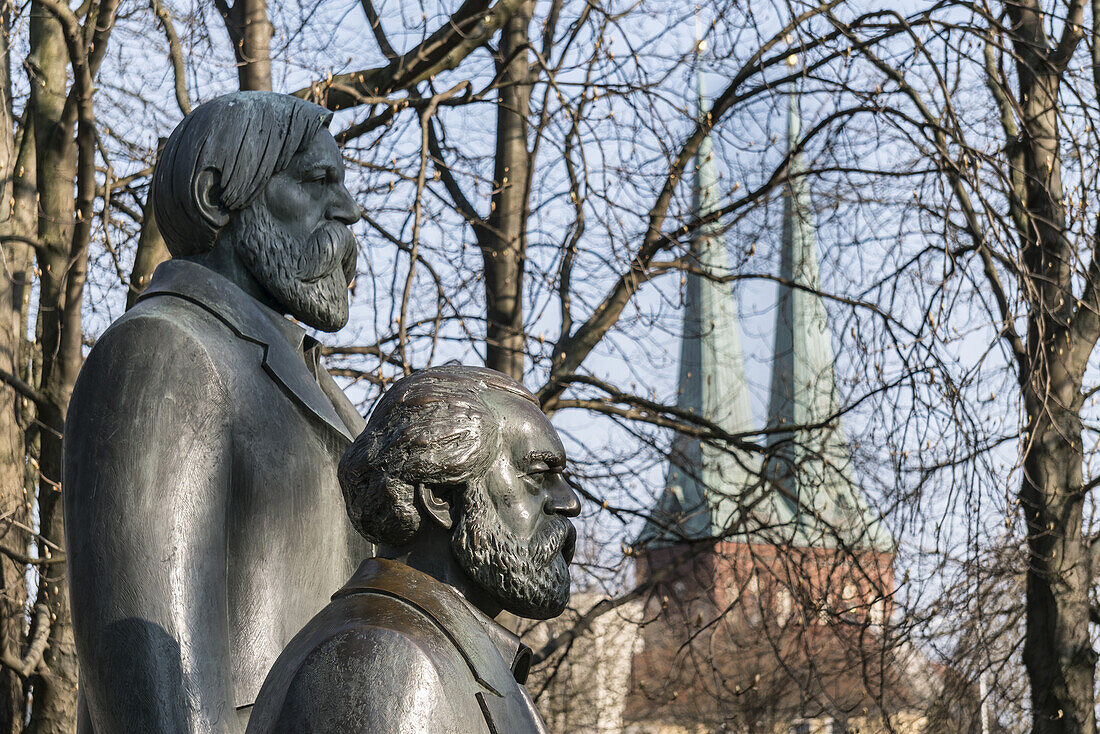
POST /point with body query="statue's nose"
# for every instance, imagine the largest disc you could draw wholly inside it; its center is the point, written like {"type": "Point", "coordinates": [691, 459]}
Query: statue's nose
{"type": "Point", "coordinates": [343, 208]}
{"type": "Point", "coordinates": [562, 500]}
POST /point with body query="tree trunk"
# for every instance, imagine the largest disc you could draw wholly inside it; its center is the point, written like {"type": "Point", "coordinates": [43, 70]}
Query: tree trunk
{"type": "Point", "coordinates": [60, 294]}
{"type": "Point", "coordinates": [13, 500]}
{"type": "Point", "coordinates": [250, 31]}
{"type": "Point", "coordinates": [151, 250]}
{"type": "Point", "coordinates": [505, 243]}
{"type": "Point", "coordinates": [1058, 654]}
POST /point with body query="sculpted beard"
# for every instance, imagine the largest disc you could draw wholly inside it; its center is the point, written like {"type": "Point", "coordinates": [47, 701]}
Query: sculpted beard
{"type": "Point", "coordinates": [310, 280]}
{"type": "Point", "coordinates": [529, 580]}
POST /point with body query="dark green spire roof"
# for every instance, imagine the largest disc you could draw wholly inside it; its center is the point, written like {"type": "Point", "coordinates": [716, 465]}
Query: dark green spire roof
{"type": "Point", "coordinates": [711, 491]}
{"type": "Point", "coordinates": [706, 484]}
{"type": "Point", "coordinates": [811, 469]}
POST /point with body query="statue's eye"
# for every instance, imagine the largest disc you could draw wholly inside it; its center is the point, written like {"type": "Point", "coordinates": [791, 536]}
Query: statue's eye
{"type": "Point", "coordinates": [536, 474]}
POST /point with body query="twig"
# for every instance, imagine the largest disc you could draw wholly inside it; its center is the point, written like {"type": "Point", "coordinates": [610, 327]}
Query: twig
{"type": "Point", "coordinates": [33, 534]}
{"type": "Point", "coordinates": [30, 560]}
{"type": "Point", "coordinates": [425, 128]}
{"type": "Point", "coordinates": [30, 662]}
{"type": "Point", "coordinates": [24, 389]}
{"type": "Point", "coordinates": [175, 53]}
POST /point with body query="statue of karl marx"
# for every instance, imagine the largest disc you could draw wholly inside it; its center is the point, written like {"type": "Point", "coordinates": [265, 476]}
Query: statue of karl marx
{"type": "Point", "coordinates": [459, 475]}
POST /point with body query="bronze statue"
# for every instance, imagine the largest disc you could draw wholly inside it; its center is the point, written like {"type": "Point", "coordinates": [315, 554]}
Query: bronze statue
{"type": "Point", "coordinates": [203, 515]}
{"type": "Point", "coordinates": [459, 475]}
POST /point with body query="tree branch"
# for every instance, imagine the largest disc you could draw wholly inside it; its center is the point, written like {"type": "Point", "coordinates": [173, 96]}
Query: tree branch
{"type": "Point", "coordinates": [957, 178]}
{"type": "Point", "coordinates": [1086, 320]}
{"type": "Point", "coordinates": [23, 389]}
{"type": "Point", "coordinates": [472, 25]}
{"type": "Point", "coordinates": [376, 27]}
{"type": "Point", "coordinates": [30, 560]}
{"type": "Point", "coordinates": [1072, 33]}
{"type": "Point", "coordinates": [465, 208]}
{"type": "Point", "coordinates": [30, 662]}
{"type": "Point", "coordinates": [570, 351]}
{"type": "Point", "coordinates": [175, 54]}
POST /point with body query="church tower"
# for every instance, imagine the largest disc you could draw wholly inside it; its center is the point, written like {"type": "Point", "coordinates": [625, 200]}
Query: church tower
{"type": "Point", "coordinates": [809, 467]}
{"type": "Point", "coordinates": [770, 581]}
{"type": "Point", "coordinates": [705, 483]}
{"type": "Point", "coordinates": [804, 495]}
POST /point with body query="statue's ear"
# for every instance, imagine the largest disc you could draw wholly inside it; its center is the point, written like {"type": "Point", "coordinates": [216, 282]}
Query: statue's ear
{"type": "Point", "coordinates": [437, 508]}
{"type": "Point", "coordinates": [206, 192]}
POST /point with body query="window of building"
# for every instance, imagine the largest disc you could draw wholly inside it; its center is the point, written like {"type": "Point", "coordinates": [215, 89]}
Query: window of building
{"type": "Point", "coordinates": [784, 605]}
{"type": "Point", "coordinates": [878, 611]}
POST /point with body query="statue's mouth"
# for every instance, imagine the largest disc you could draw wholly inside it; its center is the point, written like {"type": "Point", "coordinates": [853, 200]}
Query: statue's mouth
{"type": "Point", "coordinates": [349, 263]}
{"type": "Point", "coordinates": [569, 545]}
{"type": "Point", "coordinates": [341, 238]}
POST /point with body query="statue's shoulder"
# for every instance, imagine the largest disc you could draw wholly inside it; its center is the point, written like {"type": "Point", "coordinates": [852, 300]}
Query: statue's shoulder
{"type": "Point", "coordinates": [392, 618]}
{"type": "Point", "coordinates": [162, 335]}
{"type": "Point", "coordinates": [368, 662]}
{"type": "Point", "coordinates": [169, 321]}
{"type": "Point", "coordinates": [382, 630]}
{"type": "Point", "coordinates": [159, 345]}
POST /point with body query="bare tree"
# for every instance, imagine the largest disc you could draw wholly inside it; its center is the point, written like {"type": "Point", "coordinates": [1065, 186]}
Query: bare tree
{"type": "Point", "coordinates": [524, 171]}
{"type": "Point", "coordinates": [1012, 186]}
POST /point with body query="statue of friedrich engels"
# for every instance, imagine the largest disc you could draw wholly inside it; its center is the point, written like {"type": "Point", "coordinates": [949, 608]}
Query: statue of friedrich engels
{"type": "Point", "coordinates": [204, 521]}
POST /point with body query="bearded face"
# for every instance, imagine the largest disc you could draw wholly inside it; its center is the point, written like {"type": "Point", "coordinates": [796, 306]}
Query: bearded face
{"type": "Point", "coordinates": [310, 279]}
{"type": "Point", "coordinates": [529, 579]}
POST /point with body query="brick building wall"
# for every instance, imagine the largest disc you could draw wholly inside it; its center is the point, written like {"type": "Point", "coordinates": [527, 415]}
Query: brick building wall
{"type": "Point", "coordinates": [768, 638]}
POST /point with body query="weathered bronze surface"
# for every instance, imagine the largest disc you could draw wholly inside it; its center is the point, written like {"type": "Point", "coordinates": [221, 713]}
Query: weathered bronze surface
{"type": "Point", "coordinates": [459, 475]}
{"type": "Point", "coordinates": [203, 515]}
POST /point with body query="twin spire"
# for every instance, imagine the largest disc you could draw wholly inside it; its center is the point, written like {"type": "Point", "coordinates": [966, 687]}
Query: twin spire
{"type": "Point", "coordinates": [804, 494]}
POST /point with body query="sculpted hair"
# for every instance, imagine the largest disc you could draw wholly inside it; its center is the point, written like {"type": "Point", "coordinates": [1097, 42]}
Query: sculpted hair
{"type": "Point", "coordinates": [432, 427]}
{"type": "Point", "coordinates": [246, 137]}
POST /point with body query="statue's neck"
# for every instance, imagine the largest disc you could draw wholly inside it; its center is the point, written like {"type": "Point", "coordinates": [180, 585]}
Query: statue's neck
{"type": "Point", "coordinates": [224, 260]}
{"type": "Point", "coordinates": [430, 552]}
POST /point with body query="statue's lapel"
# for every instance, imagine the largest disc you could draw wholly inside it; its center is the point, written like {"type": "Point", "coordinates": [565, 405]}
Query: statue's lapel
{"type": "Point", "coordinates": [510, 714]}
{"type": "Point", "coordinates": [243, 315]}
{"type": "Point", "coordinates": [286, 368]}
{"type": "Point", "coordinates": [344, 407]}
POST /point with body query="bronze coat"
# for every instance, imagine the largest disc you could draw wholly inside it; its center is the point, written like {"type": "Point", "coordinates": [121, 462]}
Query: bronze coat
{"type": "Point", "coordinates": [203, 517]}
{"type": "Point", "coordinates": [398, 652]}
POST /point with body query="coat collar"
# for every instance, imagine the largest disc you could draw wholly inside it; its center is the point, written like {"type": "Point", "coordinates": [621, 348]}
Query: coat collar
{"type": "Point", "coordinates": [477, 637]}
{"type": "Point", "coordinates": [280, 339]}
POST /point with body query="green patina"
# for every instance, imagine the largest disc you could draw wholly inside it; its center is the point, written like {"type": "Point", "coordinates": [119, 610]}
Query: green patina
{"type": "Point", "coordinates": [804, 494]}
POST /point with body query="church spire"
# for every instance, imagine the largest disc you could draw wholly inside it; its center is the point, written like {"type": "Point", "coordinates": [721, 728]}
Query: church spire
{"type": "Point", "coordinates": [810, 470]}
{"type": "Point", "coordinates": [705, 482]}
